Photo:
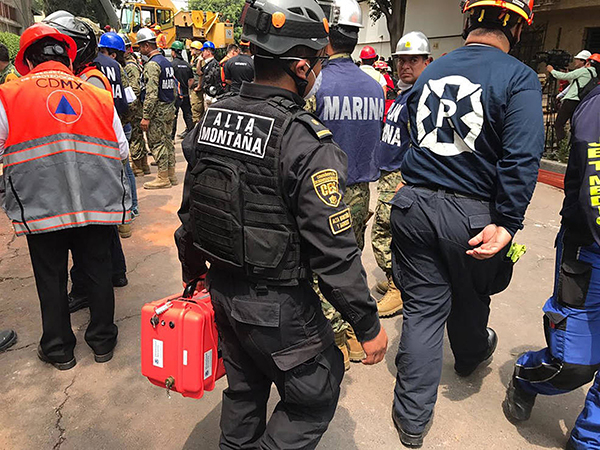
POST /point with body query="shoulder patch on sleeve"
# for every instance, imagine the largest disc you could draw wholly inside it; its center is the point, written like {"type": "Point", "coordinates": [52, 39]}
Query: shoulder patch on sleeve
{"type": "Point", "coordinates": [340, 221]}
{"type": "Point", "coordinates": [327, 187]}
{"type": "Point", "coordinates": [315, 125]}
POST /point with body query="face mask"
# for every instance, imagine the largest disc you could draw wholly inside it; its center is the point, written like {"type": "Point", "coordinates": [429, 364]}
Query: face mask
{"type": "Point", "coordinates": [316, 86]}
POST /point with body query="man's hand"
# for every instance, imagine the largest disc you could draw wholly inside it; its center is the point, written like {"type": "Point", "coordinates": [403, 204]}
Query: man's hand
{"type": "Point", "coordinates": [144, 124]}
{"type": "Point", "coordinates": [375, 348]}
{"type": "Point", "coordinates": [549, 68]}
{"type": "Point", "coordinates": [492, 239]}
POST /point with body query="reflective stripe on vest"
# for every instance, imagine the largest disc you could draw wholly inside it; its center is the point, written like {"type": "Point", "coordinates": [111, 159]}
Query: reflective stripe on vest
{"type": "Point", "coordinates": [63, 169]}
{"type": "Point", "coordinates": [69, 220]}
{"type": "Point", "coordinates": [60, 143]}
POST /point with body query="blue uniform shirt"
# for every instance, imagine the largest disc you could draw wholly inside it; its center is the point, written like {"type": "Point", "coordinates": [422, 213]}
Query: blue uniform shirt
{"type": "Point", "coordinates": [395, 138]}
{"type": "Point", "coordinates": [581, 208]}
{"type": "Point", "coordinates": [112, 70]}
{"type": "Point", "coordinates": [477, 129]}
{"type": "Point", "coordinates": [351, 104]}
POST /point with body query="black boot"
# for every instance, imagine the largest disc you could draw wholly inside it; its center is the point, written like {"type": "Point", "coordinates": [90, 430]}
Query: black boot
{"type": "Point", "coordinates": [77, 302]}
{"type": "Point", "coordinates": [120, 280]}
{"type": "Point", "coordinates": [518, 404]}
{"type": "Point", "coordinates": [8, 338]}
{"type": "Point", "coordinates": [465, 371]}
{"type": "Point", "coordinates": [407, 439]}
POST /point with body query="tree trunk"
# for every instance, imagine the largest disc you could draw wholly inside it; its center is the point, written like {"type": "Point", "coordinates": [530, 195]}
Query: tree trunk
{"type": "Point", "coordinates": [395, 22]}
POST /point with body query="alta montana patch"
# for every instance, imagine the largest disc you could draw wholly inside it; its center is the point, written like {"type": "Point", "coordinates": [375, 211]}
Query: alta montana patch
{"type": "Point", "coordinates": [235, 131]}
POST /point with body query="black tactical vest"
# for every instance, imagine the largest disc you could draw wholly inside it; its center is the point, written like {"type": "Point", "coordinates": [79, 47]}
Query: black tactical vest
{"type": "Point", "coordinates": [240, 219]}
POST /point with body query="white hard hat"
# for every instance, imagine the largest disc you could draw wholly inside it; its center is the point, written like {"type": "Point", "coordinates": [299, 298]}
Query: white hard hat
{"type": "Point", "coordinates": [145, 35]}
{"type": "Point", "coordinates": [413, 43]}
{"type": "Point", "coordinates": [583, 54]}
{"type": "Point", "coordinates": [350, 13]}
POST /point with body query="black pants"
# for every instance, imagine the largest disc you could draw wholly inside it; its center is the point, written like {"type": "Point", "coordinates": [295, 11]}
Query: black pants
{"type": "Point", "coordinates": [440, 285]}
{"type": "Point", "coordinates": [567, 108]}
{"type": "Point", "coordinates": [49, 256]}
{"type": "Point", "coordinates": [186, 108]}
{"type": "Point", "coordinates": [118, 265]}
{"type": "Point", "coordinates": [275, 335]}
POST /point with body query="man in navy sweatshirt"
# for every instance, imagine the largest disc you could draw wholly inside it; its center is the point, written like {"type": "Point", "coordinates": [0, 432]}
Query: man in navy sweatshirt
{"type": "Point", "coordinates": [477, 136]}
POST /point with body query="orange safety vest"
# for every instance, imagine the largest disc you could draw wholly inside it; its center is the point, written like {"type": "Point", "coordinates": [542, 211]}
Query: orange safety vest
{"type": "Point", "coordinates": [62, 169]}
{"type": "Point", "coordinates": [93, 72]}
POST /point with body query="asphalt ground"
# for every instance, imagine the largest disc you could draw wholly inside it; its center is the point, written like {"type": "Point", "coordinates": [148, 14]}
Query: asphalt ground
{"type": "Point", "coordinates": [112, 406]}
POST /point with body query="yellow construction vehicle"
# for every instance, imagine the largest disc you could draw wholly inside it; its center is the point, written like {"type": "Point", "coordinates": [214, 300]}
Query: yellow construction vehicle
{"type": "Point", "coordinates": [180, 25]}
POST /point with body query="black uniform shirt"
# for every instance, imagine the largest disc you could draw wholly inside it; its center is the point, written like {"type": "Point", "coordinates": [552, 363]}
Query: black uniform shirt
{"type": "Point", "coordinates": [183, 73]}
{"type": "Point", "coordinates": [238, 69]}
{"type": "Point", "coordinates": [309, 160]}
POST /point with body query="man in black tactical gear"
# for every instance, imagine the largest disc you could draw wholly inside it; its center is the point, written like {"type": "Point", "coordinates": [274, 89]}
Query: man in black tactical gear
{"type": "Point", "coordinates": [263, 202]}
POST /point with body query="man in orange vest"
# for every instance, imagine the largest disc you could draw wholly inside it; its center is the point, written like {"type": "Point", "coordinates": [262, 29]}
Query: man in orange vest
{"type": "Point", "coordinates": [66, 186]}
{"type": "Point", "coordinates": [161, 38]}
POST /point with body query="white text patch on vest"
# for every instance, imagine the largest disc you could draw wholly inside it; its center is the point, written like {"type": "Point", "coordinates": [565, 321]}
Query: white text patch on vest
{"type": "Point", "coordinates": [236, 131]}
{"type": "Point", "coordinates": [352, 108]}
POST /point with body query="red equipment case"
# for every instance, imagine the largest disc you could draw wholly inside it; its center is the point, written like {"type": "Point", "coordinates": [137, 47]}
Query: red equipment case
{"type": "Point", "coordinates": [180, 344]}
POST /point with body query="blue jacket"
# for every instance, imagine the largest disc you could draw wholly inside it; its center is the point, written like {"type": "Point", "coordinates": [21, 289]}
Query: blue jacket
{"type": "Point", "coordinates": [395, 138]}
{"type": "Point", "coordinates": [112, 70]}
{"type": "Point", "coordinates": [351, 104]}
{"type": "Point", "coordinates": [581, 208]}
{"type": "Point", "coordinates": [477, 129]}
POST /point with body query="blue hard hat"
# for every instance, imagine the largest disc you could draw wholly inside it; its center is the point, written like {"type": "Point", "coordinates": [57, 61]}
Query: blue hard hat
{"type": "Point", "coordinates": [112, 40]}
{"type": "Point", "coordinates": [208, 46]}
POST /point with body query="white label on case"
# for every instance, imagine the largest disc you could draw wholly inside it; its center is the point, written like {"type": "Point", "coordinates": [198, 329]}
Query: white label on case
{"type": "Point", "coordinates": [207, 364]}
{"type": "Point", "coordinates": [157, 353]}
{"type": "Point", "coordinates": [185, 357]}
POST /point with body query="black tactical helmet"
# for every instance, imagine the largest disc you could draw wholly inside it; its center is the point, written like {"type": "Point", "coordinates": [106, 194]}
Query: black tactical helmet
{"type": "Point", "coordinates": [277, 26]}
{"type": "Point", "coordinates": [81, 32]}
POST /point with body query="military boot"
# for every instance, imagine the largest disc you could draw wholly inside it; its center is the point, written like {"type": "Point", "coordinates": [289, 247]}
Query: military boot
{"type": "Point", "coordinates": [341, 341]}
{"type": "Point", "coordinates": [145, 166]}
{"type": "Point", "coordinates": [391, 302]}
{"type": "Point", "coordinates": [173, 177]}
{"type": "Point", "coordinates": [355, 350]}
{"type": "Point", "coordinates": [137, 167]}
{"type": "Point", "coordinates": [381, 286]}
{"type": "Point", "coordinates": [161, 181]}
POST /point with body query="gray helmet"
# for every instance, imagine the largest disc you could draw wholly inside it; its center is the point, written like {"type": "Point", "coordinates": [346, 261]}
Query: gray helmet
{"type": "Point", "coordinates": [145, 35]}
{"type": "Point", "coordinates": [413, 43]}
{"type": "Point", "coordinates": [126, 39]}
{"type": "Point", "coordinates": [277, 26]}
{"type": "Point", "coordinates": [343, 12]}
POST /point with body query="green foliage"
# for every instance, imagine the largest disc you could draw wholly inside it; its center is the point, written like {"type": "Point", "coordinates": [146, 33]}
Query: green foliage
{"type": "Point", "coordinates": [92, 9]}
{"type": "Point", "coordinates": [12, 43]}
{"type": "Point", "coordinates": [230, 10]}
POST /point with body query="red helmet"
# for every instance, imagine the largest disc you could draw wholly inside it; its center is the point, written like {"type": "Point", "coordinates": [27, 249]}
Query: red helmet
{"type": "Point", "coordinates": [380, 65]}
{"type": "Point", "coordinates": [33, 34]}
{"type": "Point", "coordinates": [595, 57]}
{"type": "Point", "coordinates": [368, 53]}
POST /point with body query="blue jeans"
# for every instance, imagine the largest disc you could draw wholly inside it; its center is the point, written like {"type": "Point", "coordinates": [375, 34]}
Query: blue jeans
{"type": "Point", "coordinates": [129, 173]}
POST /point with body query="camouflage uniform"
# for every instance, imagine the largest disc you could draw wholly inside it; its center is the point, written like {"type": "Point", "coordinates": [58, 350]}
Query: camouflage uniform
{"type": "Point", "coordinates": [137, 146]}
{"type": "Point", "coordinates": [196, 97]}
{"type": "Point", "coordinates": [8, 74]}
{"type": "Point", "coordinates": [357, 198]}
{"type": "Point", "coordinates": [381, 235]}
{"type": "Point", "coordinates": [161, 116]}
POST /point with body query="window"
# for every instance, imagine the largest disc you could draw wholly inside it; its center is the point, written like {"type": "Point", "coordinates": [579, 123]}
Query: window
{"type": "Point", "coordinates": [592, 41]}
{"type": "Point", "coordinates": [164, 17]}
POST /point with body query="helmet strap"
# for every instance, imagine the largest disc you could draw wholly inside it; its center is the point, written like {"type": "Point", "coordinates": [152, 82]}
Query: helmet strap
{"type": "Point", "coordinates": [301, 83]}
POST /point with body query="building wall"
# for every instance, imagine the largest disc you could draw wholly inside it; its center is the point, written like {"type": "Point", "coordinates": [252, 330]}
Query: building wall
{"type": "Point", "coordinates": [571, 27]}
{"type": "Point", "coordinates": [15, 15]}
{"type": "Point", "coordinates": [440, 20]}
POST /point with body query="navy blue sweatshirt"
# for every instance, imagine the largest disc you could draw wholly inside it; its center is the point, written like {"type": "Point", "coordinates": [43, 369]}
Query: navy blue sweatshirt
{"type": "Point", "coordinates": [477, 129]}
{"type": "Point", "coordinates": [581, 208]}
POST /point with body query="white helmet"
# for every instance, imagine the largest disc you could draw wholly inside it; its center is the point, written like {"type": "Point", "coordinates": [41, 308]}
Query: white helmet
{"type": "Point", "coordinates": [342, 12]}
{"type": "Point", "coordinates": [583, 54]}
{"type": "Point", "coordinates": [413, 43]}
{"type": "Point", "coordinates": [145, 35]}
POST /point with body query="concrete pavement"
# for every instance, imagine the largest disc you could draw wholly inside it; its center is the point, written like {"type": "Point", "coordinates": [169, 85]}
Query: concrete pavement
{"type": "Point", "coordinates": [111, 406]}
